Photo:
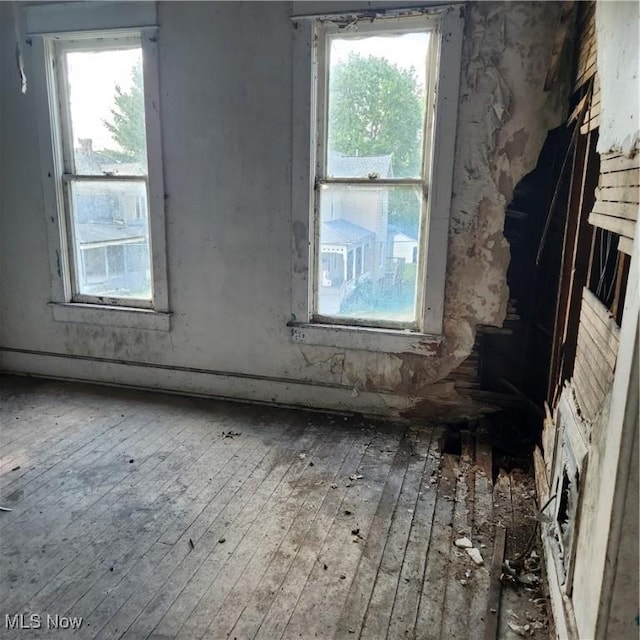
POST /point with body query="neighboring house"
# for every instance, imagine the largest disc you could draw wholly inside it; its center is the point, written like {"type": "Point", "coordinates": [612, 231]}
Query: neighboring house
{"type": "Point", "coordinates": [404, 245]}
{"type": "Point", "coordinates": [111, 225]}
{"type": "Point", "coordinates": [354, 235]}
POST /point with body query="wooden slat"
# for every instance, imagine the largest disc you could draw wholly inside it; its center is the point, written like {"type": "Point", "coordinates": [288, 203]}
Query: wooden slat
{"type": "Point", "coordinates": [616, 162]}
{"type": "Point", "coordinates": [604, 329]}
{"type": "Point", "coordinates": [622, 195]}
{"type": "Point", "coordinates": [405, 608]}
{"type": "Point", "coordinates": [457, 595]}
{"type": "Point", "coordinates": [589, 391]}
{"type": "Point", "coordinates": [586, 48]}
{"type": "Point", "coordinates": [629, 177]}
{"type": "Point", "coordinates": [389, 561]}
{"type": "Point", "coordinates": [591, 118]}
{"type": "Point", "coordinates": [588, 72]}
{"type": "Point", "coordinates": [601, 313]}
{"type": "Point", "coordinates": [588, 404]}
{"type": "Point", "coordinates": [621, 226]}
{"type": "Point", "coordinates": [625, 245]}
{"type": "Point", "coordinates": [591, 346]}
{"type": "Point", "coordinates": [429, 619]}
{"type": "Point", "coordinates": [599, 379]}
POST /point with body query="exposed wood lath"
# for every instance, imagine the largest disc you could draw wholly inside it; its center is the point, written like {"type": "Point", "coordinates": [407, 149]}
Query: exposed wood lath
{"type": "Point", "coordinates": [591, 118]}
{"type": "Point", "coordinates": [618, 198]}
{"type": "Point", "coordinates": [586, 54]}
{"type": "Point", "coordinates": [598, 339]}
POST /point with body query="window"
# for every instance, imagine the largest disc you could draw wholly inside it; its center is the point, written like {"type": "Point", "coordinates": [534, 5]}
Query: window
{"type": "Point", "coordinates": [100, 143]}
{"type": "Point", "coordinates": [99, 89]}
{"type": "Point", "coordinates": [383, 116]}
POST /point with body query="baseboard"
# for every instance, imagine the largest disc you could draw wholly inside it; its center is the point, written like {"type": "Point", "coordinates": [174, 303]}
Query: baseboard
{"type": "Point", "coordinates": [198, 382]}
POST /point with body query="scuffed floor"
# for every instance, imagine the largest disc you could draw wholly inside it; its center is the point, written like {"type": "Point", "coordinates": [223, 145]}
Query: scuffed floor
{"type": "Point", "coordinates": [137, 515]}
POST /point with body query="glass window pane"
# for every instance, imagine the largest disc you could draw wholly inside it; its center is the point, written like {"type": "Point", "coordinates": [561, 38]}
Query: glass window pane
{"type": "Point", "coordinates": [111, 239]}
{"type": "Point", "coordinates": [376, 105]}
{"type": "Point", "coordinates": [107, 112]}
{"type": "Point", "coordinates": [369, 250]}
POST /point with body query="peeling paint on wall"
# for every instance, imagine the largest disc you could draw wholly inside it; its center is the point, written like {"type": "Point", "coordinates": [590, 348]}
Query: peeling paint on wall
{"type": "Point", "coordinates": [229, 247]}
{"type": "Point", "coordinates": [504, 118]}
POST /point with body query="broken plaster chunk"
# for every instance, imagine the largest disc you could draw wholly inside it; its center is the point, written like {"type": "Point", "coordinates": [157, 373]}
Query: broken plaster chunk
{"type": "Point", "coordinates": [463, 543]}
{"type": "Point", "coordinates": [475, 555]}
{"type": "Point", "coordinates": [519, 629]}
{"type": "Point", "coordinates": [356, 476]}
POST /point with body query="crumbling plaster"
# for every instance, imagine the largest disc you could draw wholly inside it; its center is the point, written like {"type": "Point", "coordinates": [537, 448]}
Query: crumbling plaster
{"type": "Point", "coordinates": [504, 117]}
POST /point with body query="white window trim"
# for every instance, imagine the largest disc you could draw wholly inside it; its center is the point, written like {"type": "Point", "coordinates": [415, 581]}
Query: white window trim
{"type": "Point", "coordinates": [46, 24]}
{"type": "Point", "coordinates": [435, 238]}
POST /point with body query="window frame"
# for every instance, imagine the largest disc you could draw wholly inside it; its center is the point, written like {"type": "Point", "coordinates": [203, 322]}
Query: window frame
{"type": "Point", "coordinates": [324, 32]}
{"type": "Point", "coordinates": [446, 24]}
{"type": "Point", "coordinates": [56, 48]}
{"type": "Point", "coordinates": [50, 27]}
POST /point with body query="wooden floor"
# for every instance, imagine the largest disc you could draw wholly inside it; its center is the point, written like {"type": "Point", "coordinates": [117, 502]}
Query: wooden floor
{"type": "Point", "coordinates": [161, 517]}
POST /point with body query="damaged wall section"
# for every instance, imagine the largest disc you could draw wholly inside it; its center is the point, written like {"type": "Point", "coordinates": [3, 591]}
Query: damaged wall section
{"type": "Point", "coordinates": [229, 212]}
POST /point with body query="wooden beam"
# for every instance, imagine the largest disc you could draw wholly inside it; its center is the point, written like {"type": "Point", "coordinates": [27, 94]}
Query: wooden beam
{"type": "Point", "coordinates": [493, 609]}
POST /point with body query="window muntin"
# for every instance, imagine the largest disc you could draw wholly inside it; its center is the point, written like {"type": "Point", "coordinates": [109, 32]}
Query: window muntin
{"type": "Point", "coordinates": [99, 94]}
{"type": "Point", "coordinates": [374, 102]}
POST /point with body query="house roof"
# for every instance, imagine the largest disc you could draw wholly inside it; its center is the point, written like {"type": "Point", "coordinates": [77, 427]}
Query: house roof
{"type": "Point", "coordinates": [341, 231]}
{"type": "Point", "coordinates": [404, 230]}
{"type": "Point", "coordinates": [93, 233]}
{"type": "Point", "coordinates": [341, 166]}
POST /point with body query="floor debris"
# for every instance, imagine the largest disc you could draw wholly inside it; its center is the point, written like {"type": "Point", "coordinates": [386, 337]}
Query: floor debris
{"type": "Point", "coordinates": [519, 629]}
{"type": "Point", "coordinates": [356, 476]}
{"type": "Point", "coordinates": [463, 543]}
{"type": "Point", "coordinates": [475, 555]}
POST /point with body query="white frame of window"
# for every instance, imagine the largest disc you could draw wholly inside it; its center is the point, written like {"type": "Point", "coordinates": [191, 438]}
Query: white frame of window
{"type": "Point", "coordinates": [324, 32]}
{"type": "Point", "coordinates": [446, 24]}
{"type": "Point", "coordinates": [51, 27]}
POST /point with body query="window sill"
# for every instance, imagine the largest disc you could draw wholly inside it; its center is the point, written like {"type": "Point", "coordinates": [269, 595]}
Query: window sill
{"type": "Point", "coordinates": [110, 316]}
{"type": "Point", "coordinates": [365, 338]}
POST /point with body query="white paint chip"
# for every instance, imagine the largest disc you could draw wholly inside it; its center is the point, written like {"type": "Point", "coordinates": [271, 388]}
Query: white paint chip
{"type": "Point", "coordinates": [475, 555]}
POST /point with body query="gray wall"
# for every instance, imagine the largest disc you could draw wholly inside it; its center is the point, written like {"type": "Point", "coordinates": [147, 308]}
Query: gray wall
{"type": "Point", "coordinates": [226, 108]}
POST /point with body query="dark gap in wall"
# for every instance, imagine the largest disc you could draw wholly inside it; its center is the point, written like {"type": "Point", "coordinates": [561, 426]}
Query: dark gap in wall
{"type": "Point", "coordinates": [452, 441]}
{"type": "Point", "coordinates": [517, 359]}
{"type": "Point", "coordinates": [609, 272]}
{"type": "Point", "coordinates": [512, 438]}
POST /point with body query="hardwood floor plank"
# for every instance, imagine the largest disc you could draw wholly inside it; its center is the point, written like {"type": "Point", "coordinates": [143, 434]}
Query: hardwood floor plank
{"type": "Point", "coordinates": [386, 563]}
{"type": "Point", "coordinates": [205, 562]}
{"type": "Point", "coordinates": [310, 556]}
{"type": "Point", "coordinates": [405, 607]}
{"type": "Point", "coordinates": [462, 569]}
{"type": "Point", "coordinates": [289, 528]}
{"type": "Point", "coordinates": [136, 577]}
{"type": "Point", "coordinates": [153, 519]}
{"type": "Point", "coordinates": [102, 510]}
{"type": "Point", "coordinates": [235, 521]}
{"type": "Point", "coordinates": [281, 583]}
{"type": "Point", "coordinates": [429, 619]}
{"type": "Point", "coordinates": [326, 590]}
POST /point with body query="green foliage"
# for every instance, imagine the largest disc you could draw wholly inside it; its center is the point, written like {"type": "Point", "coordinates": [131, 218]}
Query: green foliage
{"type": "Point", "coordinates": [376, 109]}
{"type": "Point", "coordinates": [127, 125]}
